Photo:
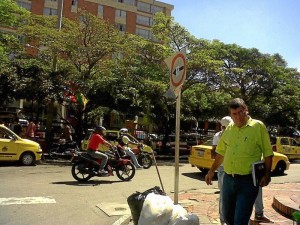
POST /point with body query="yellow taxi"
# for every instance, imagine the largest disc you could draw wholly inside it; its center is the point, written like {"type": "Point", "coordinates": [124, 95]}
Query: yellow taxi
{"type": "Point", "coordinates": [201, 157]}
{"type": "Point", "coordinates": [288, 146]}
{"type": "Point", "coordinates": [113, 136]}
{"type": "Point", "coordinates": [15, 148]}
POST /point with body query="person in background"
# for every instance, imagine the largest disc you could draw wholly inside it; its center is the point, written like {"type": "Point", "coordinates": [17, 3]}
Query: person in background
{"type": "Point", "coordinates": [124, 144]}
{"type": "Point", "coordinates": [97, 139]}
{"type": "Point", "coordinates": [67, 133]}
{"type": "Point", "coordinates": [18, 128]}
{"type": "Point", "coordinates": [259, 209]}
{"type": "Point", "coordinates": [30, 132]}
{"type": "Point", "coordinates": [242, 143]}
{"type": "Point", "coordinates": [225, 121]}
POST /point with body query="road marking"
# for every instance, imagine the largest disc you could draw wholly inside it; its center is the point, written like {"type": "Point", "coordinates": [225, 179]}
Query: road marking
{"type": "Point", "coordinates": [26, 200]}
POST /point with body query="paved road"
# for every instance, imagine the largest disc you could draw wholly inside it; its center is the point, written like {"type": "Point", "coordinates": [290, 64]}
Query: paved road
{"type": "Point", "coordinates": [65, 201]}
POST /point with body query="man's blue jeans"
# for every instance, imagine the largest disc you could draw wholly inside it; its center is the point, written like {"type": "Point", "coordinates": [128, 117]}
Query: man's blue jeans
{"type": "Point", "coordinates": [238, 196]}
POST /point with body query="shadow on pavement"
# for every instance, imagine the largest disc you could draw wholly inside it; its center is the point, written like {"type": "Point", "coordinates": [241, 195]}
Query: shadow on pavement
{"type": "Point", "coordinates": [88, 183]}
{"type": "Point", "coordinates": [198, 176]}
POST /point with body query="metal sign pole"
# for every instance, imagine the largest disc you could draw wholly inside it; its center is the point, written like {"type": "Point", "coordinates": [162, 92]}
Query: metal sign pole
{"type": "Point", "coordinates": [177, 147]}
{"type": "Point", "coordinates": [177, 66]}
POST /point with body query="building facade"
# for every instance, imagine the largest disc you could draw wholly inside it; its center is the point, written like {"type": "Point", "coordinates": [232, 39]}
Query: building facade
{"type": "Point", "coordinates": [132, 16]}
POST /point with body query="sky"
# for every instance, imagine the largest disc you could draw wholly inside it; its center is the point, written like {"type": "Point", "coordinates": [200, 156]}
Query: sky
{"type": "Point", "coordinates": [271, 26]}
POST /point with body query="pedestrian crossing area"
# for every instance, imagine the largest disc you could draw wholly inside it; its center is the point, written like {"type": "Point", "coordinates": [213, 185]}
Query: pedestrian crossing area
{"type": "Point", "coordinates": [26, 200]}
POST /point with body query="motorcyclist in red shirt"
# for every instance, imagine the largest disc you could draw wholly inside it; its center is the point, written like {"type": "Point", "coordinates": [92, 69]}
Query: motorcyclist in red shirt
{"type": "Point", "coordinates": [95, 140]}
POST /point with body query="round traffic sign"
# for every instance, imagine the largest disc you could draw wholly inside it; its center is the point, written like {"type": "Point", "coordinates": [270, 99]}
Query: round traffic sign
{"type": "Point", "coordinates": [178, 70]}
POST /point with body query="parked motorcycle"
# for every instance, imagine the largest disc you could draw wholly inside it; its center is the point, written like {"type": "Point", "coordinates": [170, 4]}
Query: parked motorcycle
{"type": "Point", "coordinates": [142, 156]}
{"type": "Point", "coordinates": [63, 149]}
{"type": "Point", "coordinates": [85, 167]}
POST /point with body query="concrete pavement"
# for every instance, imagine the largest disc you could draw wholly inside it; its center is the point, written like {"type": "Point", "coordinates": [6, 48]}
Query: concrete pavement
{"type": "Point", "coordinates": [280, 201]}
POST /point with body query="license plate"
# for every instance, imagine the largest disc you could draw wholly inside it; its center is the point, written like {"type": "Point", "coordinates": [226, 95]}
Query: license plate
{"type": "Point", "coordinates": [201, 153]}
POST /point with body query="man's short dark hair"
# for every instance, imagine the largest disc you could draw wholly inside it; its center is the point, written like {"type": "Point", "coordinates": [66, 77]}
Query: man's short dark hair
{"type": "Point", "coordinates": [236, 103]}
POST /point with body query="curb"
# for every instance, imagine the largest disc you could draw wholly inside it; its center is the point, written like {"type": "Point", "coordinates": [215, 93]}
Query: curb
{"type": "Point", "coordinates": [124, 220]}
{"type": "Point", "coordinates": [285, 205]}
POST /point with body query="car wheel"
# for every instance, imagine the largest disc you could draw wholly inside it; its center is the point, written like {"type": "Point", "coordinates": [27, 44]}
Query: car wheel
{"type": "Point", "coordinates": [280, 168]}
{"type": "Point", "coordinates": [27, 159]}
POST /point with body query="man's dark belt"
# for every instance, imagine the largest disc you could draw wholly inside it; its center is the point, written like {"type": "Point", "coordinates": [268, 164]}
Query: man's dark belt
{"type": "Point", "coordinates": [238, 175]}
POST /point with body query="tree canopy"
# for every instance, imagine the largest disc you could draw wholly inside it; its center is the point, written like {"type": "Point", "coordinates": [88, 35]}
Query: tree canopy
{"type": "Point", "coordinates": [125, 73]}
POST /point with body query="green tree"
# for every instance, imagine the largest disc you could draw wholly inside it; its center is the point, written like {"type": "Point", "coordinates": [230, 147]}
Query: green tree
{"type": "Point", "coordinates": [219, 71]}
{"type": "Point", "coordinates": [11, 16]}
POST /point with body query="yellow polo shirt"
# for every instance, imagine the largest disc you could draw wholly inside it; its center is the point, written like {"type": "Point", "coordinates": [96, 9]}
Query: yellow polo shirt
{"type": "Point", "coordinates": [243, 146]}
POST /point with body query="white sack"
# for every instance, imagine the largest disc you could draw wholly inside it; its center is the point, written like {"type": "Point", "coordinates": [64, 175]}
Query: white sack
{"type": "Point", "coordinates": [181, 217]}
{"type": "Point", "coordinates": [157, 210]}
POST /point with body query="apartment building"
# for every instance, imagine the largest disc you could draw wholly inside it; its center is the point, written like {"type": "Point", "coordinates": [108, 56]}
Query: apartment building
{"type": "Point", "coordinates": [132, 16]}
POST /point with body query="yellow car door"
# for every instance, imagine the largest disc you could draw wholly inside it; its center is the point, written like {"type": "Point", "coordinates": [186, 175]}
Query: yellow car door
{"type": "Point", "coordinates": [294, 149]}
{"type": "Point", "coordinates": [8, 149]}
{"type": "Point", "coordinates": [284, 146]}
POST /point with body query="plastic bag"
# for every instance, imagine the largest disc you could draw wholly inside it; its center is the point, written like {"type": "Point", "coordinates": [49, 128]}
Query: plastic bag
{"type": "Point", "coordinates": [181, 217]}
{"type": "Point", "coordinates": [136, 201]}
{"type": "Point", "coordinates": [157, 210]}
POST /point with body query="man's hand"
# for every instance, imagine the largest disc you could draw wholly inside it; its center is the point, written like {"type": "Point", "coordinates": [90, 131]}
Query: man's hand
{"type": "Point", "coordinates": [209, 176]}
{"type": "Point", "coordinates": [265, 180]}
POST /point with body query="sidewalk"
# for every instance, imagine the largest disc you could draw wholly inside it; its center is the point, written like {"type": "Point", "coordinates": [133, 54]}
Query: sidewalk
{"type": "Point", "coordinates": [280, 200]}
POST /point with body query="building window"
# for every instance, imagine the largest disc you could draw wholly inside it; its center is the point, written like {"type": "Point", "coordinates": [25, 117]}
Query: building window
{"type": "Point", "coordinates": [144, 33]}
{"type": "Point", "coordinates": [128, 2]}
{"type": "Point", "coordinates": [120, 27]}
{"type": "Point", "coordinates": [155, 9]}
{"type": "Point", "coordinates": [50, 12]}
{"type": "Point", "coordinates": [24, 5]}
{"type": "Point", "coordinates": [100, 9]}
{"type": "Point", "coordinates": [144, 20]}
{"type": "Point", "coordinates": [74, 2]}
{"type": "Point", "coordinates": [120, 13]}
{"type": "Point", "coordinates": [142, 6]}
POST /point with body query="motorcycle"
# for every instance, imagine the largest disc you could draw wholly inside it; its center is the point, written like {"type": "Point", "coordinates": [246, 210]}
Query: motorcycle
{"type": "Point", "coordinates": [63, 149]}
{"type": "Point", "coordinates": [85, 167]}
{"type": "Point", "coordinates": [142, 156]}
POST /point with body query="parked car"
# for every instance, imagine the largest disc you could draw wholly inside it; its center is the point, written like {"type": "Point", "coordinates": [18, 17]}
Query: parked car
{"type": "Point", "coordinates": [15, 148]}
{"type": "Point", "coordinates": [113, 136]}
{"type": "Point", "coordinates": [201, 157]}
{"type": "Point", "coordinates": [186, 141]}
{"type": "Point", "coordinates": [287, 146]}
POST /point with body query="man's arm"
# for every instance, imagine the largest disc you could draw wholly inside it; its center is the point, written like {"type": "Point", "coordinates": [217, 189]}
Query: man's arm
{"type": "Point", "coordinates": [213, 152]}
{"type": "Point", "coordinates": [209, 176]}
{"type": "Point", "coordinates": [108, 144]}
{"type": "Point", "coordinates": [267, 178]}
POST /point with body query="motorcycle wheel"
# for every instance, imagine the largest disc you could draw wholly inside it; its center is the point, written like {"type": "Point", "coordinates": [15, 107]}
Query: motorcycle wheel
{"type": "Point", "coordinates": [78, 172]}
{"type": "Point", "coordinates": [145, 160]}
{"type": "Point", "coordinates": [125, 172]}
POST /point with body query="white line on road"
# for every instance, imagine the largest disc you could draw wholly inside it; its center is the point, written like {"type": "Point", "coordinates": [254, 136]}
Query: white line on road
{"type": "Point", "coordinates": [26, 200]}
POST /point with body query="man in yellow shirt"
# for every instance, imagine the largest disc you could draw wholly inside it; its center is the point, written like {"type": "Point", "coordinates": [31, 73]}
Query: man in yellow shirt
{"type": "Point", "coordinates": [242, 143]}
